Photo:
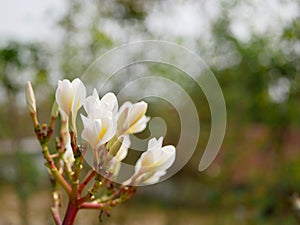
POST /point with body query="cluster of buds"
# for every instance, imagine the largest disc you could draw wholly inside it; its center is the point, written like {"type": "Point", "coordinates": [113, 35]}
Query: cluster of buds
{"type": "Point", "coordinates": [106, 133]}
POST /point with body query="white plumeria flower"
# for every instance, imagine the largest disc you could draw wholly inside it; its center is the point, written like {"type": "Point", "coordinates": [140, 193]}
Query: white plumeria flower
{"type": "Point", "coordinates": [131, 118]}
{"type": "Point", "coordinates": [70, 96]}
{"type": "Point", "coordinates": [95, 107]}
{"type": "Point", "coordinates": [153, 163]}
{"type": "Point", "coordinates": [100, 123]}
{"type": "Point", "coordinates": [98, 131]}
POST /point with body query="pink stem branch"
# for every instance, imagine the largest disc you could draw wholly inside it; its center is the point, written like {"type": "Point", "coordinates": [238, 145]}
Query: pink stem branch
{"type": "Point", "coordinates": [94, 205]}
{"type": "Point", "coordinates": [55, 215]}
{"type": "Point", "coordinates": [85, 181]}
{"type": "Point", "coordinates": [70, 214]}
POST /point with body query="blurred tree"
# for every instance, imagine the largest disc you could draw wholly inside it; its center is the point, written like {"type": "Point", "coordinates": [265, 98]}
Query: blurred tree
{"type": "Point", "coordinates": [259, 78]}
{"type": "Point", "coordinates": [260, 85]}
{"type": "Point", "coordinates": [19, 61]}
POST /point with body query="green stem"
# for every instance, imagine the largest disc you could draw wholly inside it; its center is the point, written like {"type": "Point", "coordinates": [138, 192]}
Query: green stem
{"type": "Point", "coordinates": [54, 171]}
{"type": "Point", "coordinates": [62, 181]}
{"type": "Point", "coordinates": [77, 166]}
{"type": "Point", "coordinates": [91, 193]}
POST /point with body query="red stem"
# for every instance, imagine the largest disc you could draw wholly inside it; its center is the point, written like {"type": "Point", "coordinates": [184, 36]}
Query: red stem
{"type": "Point", "coordinates": [70, 214]}
{"type": "Point", "coordinates": [86, 180]}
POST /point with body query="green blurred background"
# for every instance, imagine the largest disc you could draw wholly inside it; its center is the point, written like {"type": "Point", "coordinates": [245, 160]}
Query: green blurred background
{"type": "Point", "coordinates": [253, 48]}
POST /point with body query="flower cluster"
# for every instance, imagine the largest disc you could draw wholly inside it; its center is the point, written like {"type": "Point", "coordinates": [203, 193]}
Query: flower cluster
{"type": "Point", "coordinates": [107, 128]}
{"type": "Point", "coordinates": [105, 137]}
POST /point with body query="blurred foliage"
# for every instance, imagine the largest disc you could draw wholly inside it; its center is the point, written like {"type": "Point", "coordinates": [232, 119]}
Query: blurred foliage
{"type": "Point", "coordinates": [15, 58]}
{"type": "Point", "coordinates": [259, 165]}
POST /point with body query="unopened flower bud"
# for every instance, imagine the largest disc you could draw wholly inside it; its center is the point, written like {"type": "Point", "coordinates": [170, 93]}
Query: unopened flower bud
{"type": "Point", "coordinates": [54, 110]}
{"type": "Point", "coordinates": [116, 146]}
{"type": "Point", "coordinates": [30, 98]}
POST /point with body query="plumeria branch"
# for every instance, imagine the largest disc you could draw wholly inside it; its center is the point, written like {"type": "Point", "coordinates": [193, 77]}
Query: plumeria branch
{"type": "Point", "coordinates": [86, 180]}
{"type": "Point", "coordinates": [106, 130]}
{"type": "Point", "coordinates": [44, 136]}
{"type": "Point", "coordinates": [77, 166]}
{"type": "Point", "coordinates": [54, 171]}
{"type": "Point", "coordinates": [121, 195]}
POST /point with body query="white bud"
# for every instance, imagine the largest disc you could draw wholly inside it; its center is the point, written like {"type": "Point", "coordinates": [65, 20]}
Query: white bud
{"type": "Point", "coordinates": [54, 110]}
{"type": "Point", "coordinates": [70, 95]}
{"type": "Point", "coordinates": [30, 98]}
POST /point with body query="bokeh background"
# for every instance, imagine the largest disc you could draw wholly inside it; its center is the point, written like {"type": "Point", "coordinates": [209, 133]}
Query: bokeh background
{"type": "Point", "coordinates": [253, 48]}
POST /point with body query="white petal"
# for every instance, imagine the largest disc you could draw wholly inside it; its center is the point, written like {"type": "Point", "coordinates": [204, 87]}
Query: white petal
{"type": "Point", "coordinates": [122, 115]}
{"type": "Point", "coordinates": [139, 126]}
{"type": "Point", "coordinates": [99, 132]}
{"type": "Point", "coordinates": [95, 94]}
{"type": "Point", "coordinates": [169, 153]}
{"type": "Point", "coordinates": [148, 162]}
{"type": "Point", "coordinates": [152, 180]}
{"type": "Point", "coordinates": [122, 153]}
{"type": "Point", "coordinates": [147, 159]}
{"type": "Point", "coordinates": [138, 165]}
{"type": "Point", "coordinates": [95, 109]}
{"type": "Point", "coordinates": [79, 95]}
{"type": "Point", "coordinates": [90, 102]}
{"type": "Point", "coordinates": [90, 135]}
{"type": "Point", "coordinates": [155, 177]}
{"type": "Point", "coordinates": [86, 121]}
{"type": "Point", "coordinates": [108, 130]}
{"type": "Point", "coordinates": [109, 102]}
{"type": "Point", "coordinates": [126, 105]}
{"type": "Point", "coordinates": [136, 112]}
{"type": "Point", "coordinates": [64, 95]}
{"type": "Point", "coordinates": [155, 143]}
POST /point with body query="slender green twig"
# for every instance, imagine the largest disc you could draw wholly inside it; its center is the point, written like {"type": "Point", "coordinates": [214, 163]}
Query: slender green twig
{"type": "Point", "coordinates": [77, 166]}
{"type": "Point", "coordinates": [50, 164]}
